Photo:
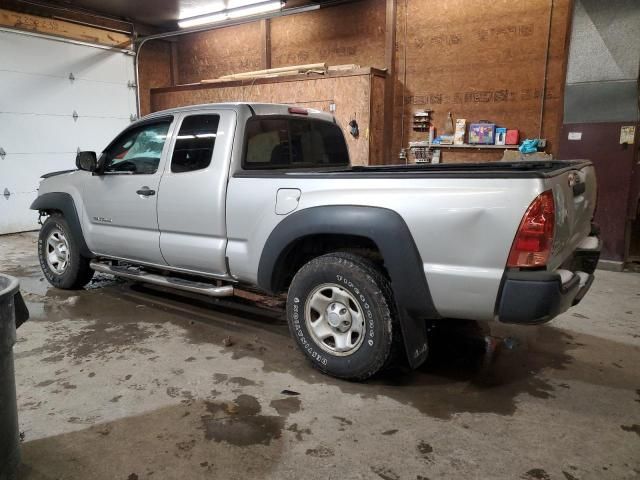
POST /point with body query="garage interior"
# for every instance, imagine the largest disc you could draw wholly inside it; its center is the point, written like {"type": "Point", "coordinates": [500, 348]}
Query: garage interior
{"type": "Point", "coordinates": [129, 381]}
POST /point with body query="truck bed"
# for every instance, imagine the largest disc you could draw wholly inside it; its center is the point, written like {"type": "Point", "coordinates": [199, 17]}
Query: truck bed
{"type": "Point", "coordinates": [531, 169]}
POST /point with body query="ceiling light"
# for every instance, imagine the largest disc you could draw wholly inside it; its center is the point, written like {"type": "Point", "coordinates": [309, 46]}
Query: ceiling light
{"type": "Point", "coordinates": [202, 20]}
{"type": "Point", "coordinates": [242, 3]}
{"type": "Point", "coordinates": [255, 9]}
{"type": "Point", "coordinates": [249, 9]}
{"type": "Point", "coordinates": [201, 10]}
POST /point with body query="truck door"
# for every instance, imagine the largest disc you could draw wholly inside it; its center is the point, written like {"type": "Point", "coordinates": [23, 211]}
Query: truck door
{"type": "Point", "coordinates": [121, 200]}
{"type": "Point", "coordinates": [193, 190]}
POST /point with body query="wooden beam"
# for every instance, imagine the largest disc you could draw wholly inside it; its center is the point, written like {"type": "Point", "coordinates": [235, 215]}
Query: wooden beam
{"type": "Point", "coordinates": [390, 63]}
{"type": "Point", "coordinates": [60, 28]}
{"type": "Point", "coordinates": [265, 47]}
{"type": "Point", "coordinates": [175, 73]}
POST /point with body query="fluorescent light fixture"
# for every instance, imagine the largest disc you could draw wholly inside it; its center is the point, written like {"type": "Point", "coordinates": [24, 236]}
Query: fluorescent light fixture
{"type": "Point", "coordinates": [242, 3]}
{"type": "Point", "coordinates": [245, 9]}
{"type": "Point", "coordinates": [255, 9]}
{"type": "Point", "coordinates": [202, 20]}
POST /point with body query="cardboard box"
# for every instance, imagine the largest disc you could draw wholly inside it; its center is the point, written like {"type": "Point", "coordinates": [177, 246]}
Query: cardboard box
{"type": "Point", "coordinates": [512, 137]}
{"type": "Point", "coordinates": [461, 129]}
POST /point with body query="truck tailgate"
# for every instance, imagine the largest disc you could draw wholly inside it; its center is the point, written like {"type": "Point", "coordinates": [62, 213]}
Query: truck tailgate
{"type": "Point", "coordinates": [575, 193]}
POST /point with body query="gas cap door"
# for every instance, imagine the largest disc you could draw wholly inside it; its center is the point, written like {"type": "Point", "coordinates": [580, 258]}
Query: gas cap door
{"type": "Point", "coordinates": [287, 200]}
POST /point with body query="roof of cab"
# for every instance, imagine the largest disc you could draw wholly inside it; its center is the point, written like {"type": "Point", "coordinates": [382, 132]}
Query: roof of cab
{"type": "Point", "coordinates": [258, 108]}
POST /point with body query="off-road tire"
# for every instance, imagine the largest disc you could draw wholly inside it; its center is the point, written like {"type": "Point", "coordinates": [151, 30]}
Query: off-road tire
{"type": "Point", "coordinates": [77, 272]}
{"type": "Point", "coordinates": [365, 281]}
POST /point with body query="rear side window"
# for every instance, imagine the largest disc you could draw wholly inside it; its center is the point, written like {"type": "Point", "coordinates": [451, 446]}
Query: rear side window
{"type": "Point", "coordinates": [289, 143]}
{"type": "Point", "coordinates": [194, 143]}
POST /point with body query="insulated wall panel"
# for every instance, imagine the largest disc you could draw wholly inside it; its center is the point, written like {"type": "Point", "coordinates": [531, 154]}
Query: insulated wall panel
{"type": "Point", "coordinates": [44, 81]}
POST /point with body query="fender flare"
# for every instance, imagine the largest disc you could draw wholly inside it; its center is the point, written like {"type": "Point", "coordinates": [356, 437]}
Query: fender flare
{"type": "Point", "coordinates": [63, 202]}
{"type": "Point", "coordinates": [388, 230]}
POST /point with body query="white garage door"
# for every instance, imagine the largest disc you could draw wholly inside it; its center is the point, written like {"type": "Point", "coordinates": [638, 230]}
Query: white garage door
{"type": "Point", "coordinates": [55, 97]}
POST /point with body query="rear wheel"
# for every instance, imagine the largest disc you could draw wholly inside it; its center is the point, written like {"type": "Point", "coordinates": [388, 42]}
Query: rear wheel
{"type": "Point", "coordinates": [59, 255]}
{"type": "Point", "coordinates": [340, 313]}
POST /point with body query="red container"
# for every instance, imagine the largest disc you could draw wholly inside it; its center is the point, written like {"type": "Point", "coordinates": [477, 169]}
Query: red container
{"type": "Point", "coordinates": [512, 137]}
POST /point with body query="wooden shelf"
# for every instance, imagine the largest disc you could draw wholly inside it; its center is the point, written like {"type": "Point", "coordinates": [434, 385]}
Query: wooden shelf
{"type": "Point", "coordinates": [479, 147]}
{"type": "Point", "coordinates": [467, 146]}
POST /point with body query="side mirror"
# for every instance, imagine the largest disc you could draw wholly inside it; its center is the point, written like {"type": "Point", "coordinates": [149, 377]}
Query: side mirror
{"type": "Point", "coordinates": [87, 161]}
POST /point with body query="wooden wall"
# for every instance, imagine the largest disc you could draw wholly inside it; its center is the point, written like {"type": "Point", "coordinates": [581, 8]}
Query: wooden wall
{"type": "Point", "coordinates": [154, 71]}
{"type": "Point", "coordinates": [219, 52]}
{"type": "Point", "coordinates": [482, 65]}
{"type": "Point", "coordinates": [476, 60]}
{"type": "Point", "coordinates": [352, 33]}
{"type": "Point", "coordinates": [352, 93]}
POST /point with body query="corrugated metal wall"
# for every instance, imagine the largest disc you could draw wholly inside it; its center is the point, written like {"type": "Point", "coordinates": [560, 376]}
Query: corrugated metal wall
{"type": "Point", "coordinates": [601, 96]}
{"type": "Point", "coordinates": [602, 74]}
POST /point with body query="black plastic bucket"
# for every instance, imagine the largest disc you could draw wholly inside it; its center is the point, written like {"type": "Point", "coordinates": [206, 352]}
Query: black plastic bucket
{"type": "Point", "coordinates": [13, 312]}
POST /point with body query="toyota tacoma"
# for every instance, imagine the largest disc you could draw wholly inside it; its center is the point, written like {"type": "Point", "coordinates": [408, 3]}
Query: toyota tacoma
{"type": "Point", "coordinates": [218, 197]}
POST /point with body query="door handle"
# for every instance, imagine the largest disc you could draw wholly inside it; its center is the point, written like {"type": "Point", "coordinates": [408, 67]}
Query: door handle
{"type": "Point", "coordinates": [146, 192]}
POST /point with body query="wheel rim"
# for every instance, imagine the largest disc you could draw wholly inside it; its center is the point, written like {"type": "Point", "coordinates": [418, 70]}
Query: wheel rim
{"type": "Point", "coordinates": [57, 252]}
{"type": "Point", "coordinates": [335, 319]}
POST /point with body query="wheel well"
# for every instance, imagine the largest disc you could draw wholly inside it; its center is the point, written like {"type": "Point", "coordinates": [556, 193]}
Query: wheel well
{"type": "Point", "coordinates": [43, 213]}
{"type": "Point", "coordinates": [50, 211]}
{"type": "Point", "coordinates": [307, 248]}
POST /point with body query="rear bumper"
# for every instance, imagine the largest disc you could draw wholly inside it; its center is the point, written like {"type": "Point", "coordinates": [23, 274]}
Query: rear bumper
{"type": "Point", "coordinates": [531, 298]}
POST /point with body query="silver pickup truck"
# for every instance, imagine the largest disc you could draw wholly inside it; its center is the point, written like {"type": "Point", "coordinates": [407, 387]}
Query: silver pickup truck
{"type": "Point", "coordinates": [211, 198]}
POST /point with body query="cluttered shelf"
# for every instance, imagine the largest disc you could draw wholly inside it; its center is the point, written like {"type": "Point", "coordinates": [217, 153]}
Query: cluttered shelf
{"type": "Point", "coordinates": [482, 136]}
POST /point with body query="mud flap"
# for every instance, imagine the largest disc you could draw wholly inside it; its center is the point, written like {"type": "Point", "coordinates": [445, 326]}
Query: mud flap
{"type": "Point", "coordinates": [414, 333]}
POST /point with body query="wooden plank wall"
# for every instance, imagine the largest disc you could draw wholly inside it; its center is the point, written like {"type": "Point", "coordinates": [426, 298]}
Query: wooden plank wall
{"type": "Point", "coordinates": [477, 60]}
{"type": "Point", "coordinates": [60, 28]}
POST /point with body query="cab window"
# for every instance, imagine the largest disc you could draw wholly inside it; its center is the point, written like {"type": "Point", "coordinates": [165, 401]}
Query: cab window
{"type": "Point", "coordinates": [293, 143]}
{"type": "Point", "coordinates": [137, 151]}
{"type": "Point", "coordinates": [194, 143]}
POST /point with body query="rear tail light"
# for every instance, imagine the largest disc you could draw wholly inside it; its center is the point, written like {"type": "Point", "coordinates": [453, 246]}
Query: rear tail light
{"type": "Point", "coordinates": [534, 239]}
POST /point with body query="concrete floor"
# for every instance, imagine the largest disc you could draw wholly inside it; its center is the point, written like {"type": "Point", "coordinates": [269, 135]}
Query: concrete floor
{"type": "Point", "coordinates": [122, 381]}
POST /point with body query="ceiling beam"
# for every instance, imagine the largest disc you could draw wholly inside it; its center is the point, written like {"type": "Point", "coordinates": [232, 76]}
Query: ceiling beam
{"type": "Point", "coordinates": [265, 39]}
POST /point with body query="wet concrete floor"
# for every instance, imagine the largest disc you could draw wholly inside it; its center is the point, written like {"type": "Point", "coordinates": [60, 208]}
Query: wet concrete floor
{"type": "Point", "coordinates": [124, 381]}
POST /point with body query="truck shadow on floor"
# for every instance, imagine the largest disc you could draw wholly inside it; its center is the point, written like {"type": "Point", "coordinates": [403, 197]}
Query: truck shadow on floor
{"type": "Point", "coordinates": [470, 367]}
{"type": "Point", "coordinates": [469, 370]}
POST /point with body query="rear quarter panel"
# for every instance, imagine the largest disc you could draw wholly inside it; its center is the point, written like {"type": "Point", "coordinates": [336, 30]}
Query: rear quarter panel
{"type": "Point", "coordinates": [463, 228]}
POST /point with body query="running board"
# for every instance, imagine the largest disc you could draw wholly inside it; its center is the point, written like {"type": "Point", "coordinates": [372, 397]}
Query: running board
{"type": "Point", "coordinates": [171, 282]}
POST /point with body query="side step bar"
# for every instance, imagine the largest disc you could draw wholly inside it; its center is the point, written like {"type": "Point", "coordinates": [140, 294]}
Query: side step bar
{"type": "Point", "coordinates": [172, 282]}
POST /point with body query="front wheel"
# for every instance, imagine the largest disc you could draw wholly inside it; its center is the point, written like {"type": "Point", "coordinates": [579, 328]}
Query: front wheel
{"type": "Point", "coordinates": [340, 313]}
{"type": "Point", "coordinates": [59, 255]}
